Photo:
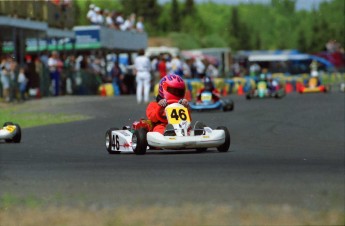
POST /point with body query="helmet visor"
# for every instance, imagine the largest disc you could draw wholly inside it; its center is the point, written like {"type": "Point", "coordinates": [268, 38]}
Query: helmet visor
{"type": "Point", "coordinates": [178, 92]}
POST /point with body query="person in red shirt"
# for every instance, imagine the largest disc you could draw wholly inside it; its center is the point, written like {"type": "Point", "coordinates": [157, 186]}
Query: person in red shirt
{"type": "Point", "coordinates": [171, 90]}
{"type": "Point", "coordinates": [162, 68]}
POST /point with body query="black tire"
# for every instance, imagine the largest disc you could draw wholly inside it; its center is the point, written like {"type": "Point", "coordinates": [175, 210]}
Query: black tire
{"type": "Point", "coordinates": [224, 147]}
{"type": "Point", "coordinates": [17, 138]}
{"type": "Point", "coordinates": [108, 140]}
{"type": "Point", "coordinates": [139, 141]}
{"type": "Point", "coordinates": [8, 124]}
{"type": "Point", "coordinates": [248, 96]}
{"type": "Point", "coordinates": [228, 105]}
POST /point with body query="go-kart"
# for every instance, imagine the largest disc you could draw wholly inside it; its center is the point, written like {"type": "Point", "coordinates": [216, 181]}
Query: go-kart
{"type": "Point", "coordinates": [10, 132]}
{"type": "Point", "coordinates": [207, 102]}
{"type": "Point", "coordinates": [178, 135]}
{"type": "Point", "coordinates": [263, 91]}
{"type": "Point", "coordinates": [313, 86]}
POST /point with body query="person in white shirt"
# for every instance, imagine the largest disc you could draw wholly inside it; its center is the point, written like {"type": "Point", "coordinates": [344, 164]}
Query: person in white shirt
{"type": "Point", "coordinates": [100, 18]}
{"type": "Point", "coordinates": [109, 22]}
{"type": "Point", "coordinates": [140, 24]}
{"type": "Point", "coordinates": [142, 67]}
{"type": "Point", "coordinates": [200, 68]}
{"type": "Point", "coordinates": [91, 13]}
{"type": "Point", "coordinates": [53, 64]}
{"type": "Point", "coordinates": [119, 20]}
{"type": "Point", "coordinates": [176, 66]}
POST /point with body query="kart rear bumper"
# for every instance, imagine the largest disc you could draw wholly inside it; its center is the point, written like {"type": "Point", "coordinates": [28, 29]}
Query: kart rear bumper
{"type": "Point", "coordinates": [209, 140]}
{"type": "Point", "coordinates": [313, 90]}
{"type": "Point", "coordinates": [202, 106]}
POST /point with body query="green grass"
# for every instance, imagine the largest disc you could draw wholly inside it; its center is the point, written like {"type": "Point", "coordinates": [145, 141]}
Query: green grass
{"type": "Point", "coordinates": [32, 119]}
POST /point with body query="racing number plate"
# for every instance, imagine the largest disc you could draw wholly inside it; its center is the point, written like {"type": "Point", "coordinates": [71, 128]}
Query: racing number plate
{"type": "Point", "coordinates": [10, 128]}
{"type": "Point", "coordinates": [206, 97]}
{"type": "Point", "coordinates": [177, 114]}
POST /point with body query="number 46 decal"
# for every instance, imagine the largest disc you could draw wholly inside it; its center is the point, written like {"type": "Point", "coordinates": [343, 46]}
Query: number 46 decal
{"type": "Point", "coordinates": [115, 142]}
{"type": "Point", "coordinates": [181, 114]}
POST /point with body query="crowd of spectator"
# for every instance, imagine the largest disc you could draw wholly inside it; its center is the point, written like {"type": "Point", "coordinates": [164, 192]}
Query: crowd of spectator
{"type": "Point", "coordinates": [55, 74]}
{"type": "Point", "coordinates": [115, 20]}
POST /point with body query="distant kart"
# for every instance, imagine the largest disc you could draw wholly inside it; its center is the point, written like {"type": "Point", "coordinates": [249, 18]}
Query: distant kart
{"type": "Point", "coordinates": [207, 102]}
{"type": "Point", "coordinates": [178, 135]}
{"type": "Point", "coordinates": [10, 132]}
{"type": "Point", "coordinates": [313, 86]}
{"type": "Point", "coordinates": [342, 87]}
{"type": "Point", "coordinates": [262, 91]}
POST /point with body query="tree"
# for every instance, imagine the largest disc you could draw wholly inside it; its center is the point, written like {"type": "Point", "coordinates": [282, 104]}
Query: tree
{"type": "Point", "coordinates": [175, 16]}
{"type": "Point", "coordinates": [302, 42]}
{"type": "Point", "coordinates": [189, 8]}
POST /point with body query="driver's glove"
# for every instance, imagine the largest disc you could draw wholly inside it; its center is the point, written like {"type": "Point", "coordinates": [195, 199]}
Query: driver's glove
{"type": "Point", "coordinates": [162, 103]}
{"type": "Point", "coordinates": [184, 102]}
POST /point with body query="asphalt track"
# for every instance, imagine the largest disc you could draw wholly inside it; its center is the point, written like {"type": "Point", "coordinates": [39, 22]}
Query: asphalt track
{"type": "Point", "coordinates": [283, 152]}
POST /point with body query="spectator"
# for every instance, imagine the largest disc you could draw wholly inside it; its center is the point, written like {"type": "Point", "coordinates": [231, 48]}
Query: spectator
{"type": "Point", "coordinates": [129, 23]}
{"type": "Point", "coordinates": [99, 16]}
{"type": "Point", "coordinates": [140, 24]}
{"type": "Point", "coordinates": [212, 71]}
{"type": "Point", "coordinates": [117, 79]}
{"type": "Point", "coordinates": [91, 14]}
{"type": "Point", "coordinates": [119, 21]}
{"type": "Point", "coordinates": [54, 64]}
{"type": "Point", "coordinates": [142, 67]}
{"type": "Point", "coordinates": [176, 66]}
{"type": "Point", "coordinates": [162, 68]}
{"type": "Point", "coordinates": [187, 73]}
{"type": "Point", "coordinates": [22, 81]}
{"type": "Point", "coordinates": [200, 68]}
{"type": "Point", "coordinates": [109, 22]}
{"type": "Point", "coordinates": [5, 80]}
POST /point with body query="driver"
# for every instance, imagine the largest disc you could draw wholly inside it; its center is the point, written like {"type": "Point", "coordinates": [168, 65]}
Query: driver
{"type": "Point", "coordinates": [171, 90]}
{"type": "Point", "coordinates": [208, 87]}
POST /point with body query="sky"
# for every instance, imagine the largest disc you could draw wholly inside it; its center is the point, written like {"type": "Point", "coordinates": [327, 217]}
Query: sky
{"type": "Point", "coordinates": [300, 4]}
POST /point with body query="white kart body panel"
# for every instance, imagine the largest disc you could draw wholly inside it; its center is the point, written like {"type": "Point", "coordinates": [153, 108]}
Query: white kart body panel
{"type": "Point", "coordinates": [8, 132]}
{"type": "Point", "coordinates": [121, 141]}
{"type": "Point", "coordinates": [212, 138]}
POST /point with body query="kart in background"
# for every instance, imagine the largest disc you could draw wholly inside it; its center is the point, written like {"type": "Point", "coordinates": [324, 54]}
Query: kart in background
{"type": "Point", "coordinates": [313, 86]}
{"type": "Point", "coordinates": [263, 91]}
{"type": "Point", "coordinates": [11, 133]}
{"type": "Point", "coordinates": [178, 135]}
{"type": "Point", "coordinates": [209, 102]}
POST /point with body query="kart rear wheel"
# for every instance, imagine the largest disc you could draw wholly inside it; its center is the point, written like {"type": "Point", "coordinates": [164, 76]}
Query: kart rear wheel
{"type": "Point", "coordinates": [17, 138]}
{"type": "Point", "coordinates": [228, 105]}
{"type": "Point", "coordinates": [139, 141]}
{"type": "Point", "coordinates": [224, 147]}
{"type": "Point", "coordinates": [108, 141]}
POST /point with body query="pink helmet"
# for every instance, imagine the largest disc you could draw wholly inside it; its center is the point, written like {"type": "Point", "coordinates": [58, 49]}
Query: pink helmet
{"type": "Point", "coordinates": [172, 87]}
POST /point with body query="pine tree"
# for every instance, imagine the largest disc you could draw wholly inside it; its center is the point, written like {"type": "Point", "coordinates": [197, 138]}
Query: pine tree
{"type": "Point", "coordinates": [175, 16]}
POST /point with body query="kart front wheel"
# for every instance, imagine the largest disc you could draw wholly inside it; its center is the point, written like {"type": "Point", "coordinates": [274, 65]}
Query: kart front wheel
{"type": "Point", "coordinates": [226, 145]}
{"type": "Point", "coordinates": [17, 138]}
{"type": "Point", "coordinates": [139, 141]}
{"type": "Point", "coordinates": [109, 141]}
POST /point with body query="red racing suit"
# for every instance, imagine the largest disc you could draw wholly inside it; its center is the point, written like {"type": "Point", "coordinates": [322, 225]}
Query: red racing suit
{"type": "Point", "coordinates": [156, 114]}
